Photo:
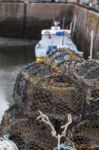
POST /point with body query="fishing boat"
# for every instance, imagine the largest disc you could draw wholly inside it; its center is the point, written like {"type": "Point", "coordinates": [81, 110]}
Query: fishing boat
{"type": "Point", "coordinates": [53, 39]}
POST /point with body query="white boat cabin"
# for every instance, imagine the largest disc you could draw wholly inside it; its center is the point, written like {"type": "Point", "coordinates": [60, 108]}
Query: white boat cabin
{"type": "Point", "coordinates": [52, 39]}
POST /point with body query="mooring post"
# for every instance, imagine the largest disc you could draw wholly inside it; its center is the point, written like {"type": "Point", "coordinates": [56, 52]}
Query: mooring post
{"type": "Point", "coordinates": [74, 23]}
{"type": "Point", "coordinates": [91, 45]}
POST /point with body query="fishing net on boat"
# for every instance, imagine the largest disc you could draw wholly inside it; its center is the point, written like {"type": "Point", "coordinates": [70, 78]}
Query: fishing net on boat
{"type": "Point", "coordinates": [42, 86]}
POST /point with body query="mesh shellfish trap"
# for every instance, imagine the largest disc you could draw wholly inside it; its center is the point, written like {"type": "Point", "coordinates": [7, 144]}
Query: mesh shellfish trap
{"type": "Point", "coordinates": [55, 91]}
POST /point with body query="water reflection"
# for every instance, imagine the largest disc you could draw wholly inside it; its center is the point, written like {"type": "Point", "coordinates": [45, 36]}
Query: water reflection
{"type": "Point", "coordinates": [12, 60]}
{"type": "Point", "coordinates": [3, 103]}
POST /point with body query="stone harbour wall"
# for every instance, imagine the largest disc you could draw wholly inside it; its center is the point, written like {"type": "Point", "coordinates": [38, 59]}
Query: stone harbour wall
{"type": "Point", "coordinates": [86, 21]}
{"type": "Point", "coordinates": [26, 20]}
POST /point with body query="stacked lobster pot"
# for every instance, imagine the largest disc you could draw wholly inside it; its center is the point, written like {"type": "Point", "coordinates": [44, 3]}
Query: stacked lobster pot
{"type": "Point", "coordinates": [63, 85]}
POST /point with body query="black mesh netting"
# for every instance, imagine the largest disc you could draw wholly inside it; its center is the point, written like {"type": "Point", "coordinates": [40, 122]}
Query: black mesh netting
{"type": "Point", "coordinates": [64, 55]}
{"type": "Point", "coordinates": [69, 86]}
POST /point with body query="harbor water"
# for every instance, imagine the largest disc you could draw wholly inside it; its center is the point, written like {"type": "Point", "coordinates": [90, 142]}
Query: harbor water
{"type": "Point", "coordinates": [12, 60]}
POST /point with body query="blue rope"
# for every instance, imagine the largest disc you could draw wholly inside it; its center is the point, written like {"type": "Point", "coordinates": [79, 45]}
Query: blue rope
{"type": "Point", "coordinates": [64, 147]}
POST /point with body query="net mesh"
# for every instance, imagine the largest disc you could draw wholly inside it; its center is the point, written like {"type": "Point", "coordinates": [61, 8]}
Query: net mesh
{"type": "Point", "coordinates": [69, 86]}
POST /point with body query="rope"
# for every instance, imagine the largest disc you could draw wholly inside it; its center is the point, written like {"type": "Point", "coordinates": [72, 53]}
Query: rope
{"type": "Point", "coordinates": [65, 127]}
{"type": "Point", "coordinates": [59, 138]}
{"type": "Point", "coordinates": [46, 120]}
